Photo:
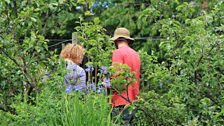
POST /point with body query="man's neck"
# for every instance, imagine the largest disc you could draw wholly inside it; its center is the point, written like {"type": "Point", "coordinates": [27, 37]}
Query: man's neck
{"type": "Point", "coordinates": [123, 44]}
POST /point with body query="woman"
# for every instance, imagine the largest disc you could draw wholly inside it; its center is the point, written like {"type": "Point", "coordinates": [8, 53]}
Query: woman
{"type": "Point", "coordinates": [76, 79]}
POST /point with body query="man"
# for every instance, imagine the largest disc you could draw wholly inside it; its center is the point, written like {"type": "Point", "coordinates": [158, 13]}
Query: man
{"type": "Point", "coordinates": [125, 55]}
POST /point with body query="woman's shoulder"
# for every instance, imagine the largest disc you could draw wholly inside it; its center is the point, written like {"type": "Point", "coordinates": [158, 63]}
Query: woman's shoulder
{"type": "Point", "coordinates": [80, 68]}
{"type": "Point", "coordinates": [71, 66]}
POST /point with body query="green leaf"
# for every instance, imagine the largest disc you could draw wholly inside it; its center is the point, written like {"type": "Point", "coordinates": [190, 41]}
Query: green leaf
{"type": "Point", "coordinates": [96, 20]}
{"type": "Point", "coordinates": [33, 19]}
{"type": "Point", "coordinates": [88, 13]}
{"type": "Point", "coordinates": [7, 1]}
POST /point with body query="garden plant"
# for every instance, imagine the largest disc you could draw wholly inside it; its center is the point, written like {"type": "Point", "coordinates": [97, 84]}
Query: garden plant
{"type": "Point", "coordinates": [180, 43]}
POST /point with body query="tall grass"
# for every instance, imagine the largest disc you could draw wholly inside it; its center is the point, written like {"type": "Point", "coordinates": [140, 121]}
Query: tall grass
{"type": "Point", "coordinates": [50, 109]}
{"type": "Point", "coordinates": [78, 109]}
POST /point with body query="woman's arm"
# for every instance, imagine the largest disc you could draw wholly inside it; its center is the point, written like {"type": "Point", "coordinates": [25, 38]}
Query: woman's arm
{"type": "Point", "coordinates": [82, 76]}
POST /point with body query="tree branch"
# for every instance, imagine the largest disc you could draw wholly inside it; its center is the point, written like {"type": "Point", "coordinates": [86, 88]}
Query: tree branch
{"type": "Point", "coordinates": [8, 109]}
{"type": "Point", "coordinates": [23, 69]}
{"type": "Point", "coordinates": [127, 99]}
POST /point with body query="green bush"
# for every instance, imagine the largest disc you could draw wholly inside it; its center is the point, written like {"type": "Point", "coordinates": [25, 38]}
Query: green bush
{"type": "Point", "coordinates": [181, 75]}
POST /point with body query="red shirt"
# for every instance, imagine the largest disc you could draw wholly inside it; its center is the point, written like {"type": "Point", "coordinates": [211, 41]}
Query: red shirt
{"type": "Point", "coordinates": [127, 55]}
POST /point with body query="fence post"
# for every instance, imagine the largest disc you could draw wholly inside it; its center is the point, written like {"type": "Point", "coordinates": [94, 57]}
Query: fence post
{"type": "Point", "coordinates": [63, 45]}
{"type": "Point", "coordinates": [74, 38]}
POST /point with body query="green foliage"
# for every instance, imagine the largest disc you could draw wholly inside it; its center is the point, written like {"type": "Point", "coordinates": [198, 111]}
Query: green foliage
{"type": "Point", "coordinates": [29, 96]}
{"type": "Point", "coordinates": [121, 77]}
{"type": "Point", "coordinates": [89, 110]}
{"type": "Point", "coordinates": [186, 86]}
{"type": "Point", "coordinates": [96, 42]}
{"type": "Point", "coordinates": [181, 71]}
{"type": "Point", "coordinates": [54, 107]}
{"type": "Point", "coordinates": [46, 17]}
{"type": "Point", "coordinates": [98, 47]}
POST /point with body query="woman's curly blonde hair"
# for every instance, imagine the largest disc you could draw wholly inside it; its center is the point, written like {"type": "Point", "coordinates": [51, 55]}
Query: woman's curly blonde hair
{"type": "Point", "coordinates": [73, 52]}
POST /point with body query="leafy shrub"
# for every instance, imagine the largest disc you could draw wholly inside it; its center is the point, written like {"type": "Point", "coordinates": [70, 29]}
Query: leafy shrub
{"type": "Point", "coordinates": [181, 75]}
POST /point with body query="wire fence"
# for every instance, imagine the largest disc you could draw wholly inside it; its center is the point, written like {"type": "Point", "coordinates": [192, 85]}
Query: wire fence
{"type": "Point", "coordinates": [61, 41]}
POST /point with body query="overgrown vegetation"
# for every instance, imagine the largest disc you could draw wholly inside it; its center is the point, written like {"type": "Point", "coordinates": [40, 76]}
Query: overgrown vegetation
{"type": "Point", "coordinates": [180, 43]}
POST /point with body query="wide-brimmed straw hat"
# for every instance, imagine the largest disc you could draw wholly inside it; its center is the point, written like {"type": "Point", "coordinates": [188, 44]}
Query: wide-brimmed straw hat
{"type": "Point", "coordinates": [121, 33]}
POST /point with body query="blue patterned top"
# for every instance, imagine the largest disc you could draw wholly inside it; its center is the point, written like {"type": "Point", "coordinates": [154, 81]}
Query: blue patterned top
{"type": "Point", "coordinates": [76, 78]}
